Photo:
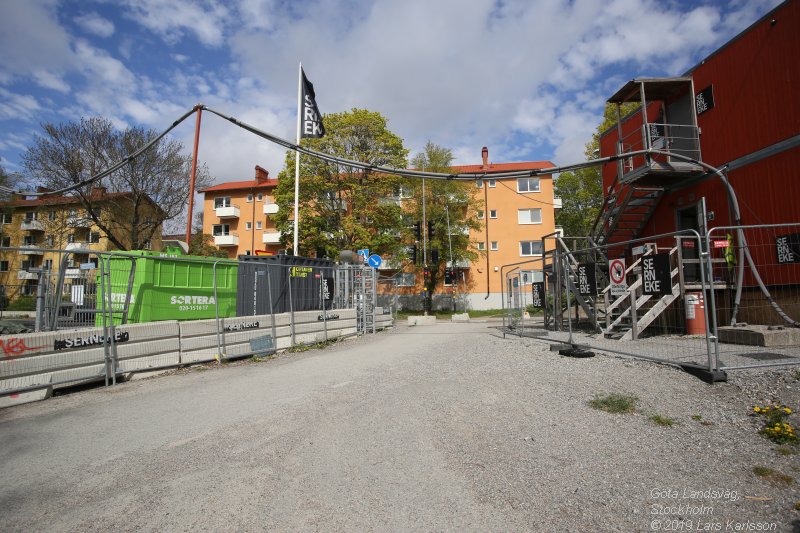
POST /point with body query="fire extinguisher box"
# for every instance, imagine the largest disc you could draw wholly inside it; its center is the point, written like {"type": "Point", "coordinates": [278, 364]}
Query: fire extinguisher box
{"type": "Point", "coordinates": [695, 314]}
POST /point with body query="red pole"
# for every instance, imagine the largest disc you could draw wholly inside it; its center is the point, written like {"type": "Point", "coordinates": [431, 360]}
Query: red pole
{"type": "Point", "coordinates": [199, 110]}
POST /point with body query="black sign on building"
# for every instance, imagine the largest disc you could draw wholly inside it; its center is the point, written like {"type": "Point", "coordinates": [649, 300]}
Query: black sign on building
{"type": "Point", "coordinates": [704, 100]}
{"type": "Point", "coordinates": [656, 275]}
{"type": "Point", "coordinates": [587, 279]}
{"type": "Point", "coordinates": [788, 248]}
{"type": "Point", "coordinates": [537, 292]}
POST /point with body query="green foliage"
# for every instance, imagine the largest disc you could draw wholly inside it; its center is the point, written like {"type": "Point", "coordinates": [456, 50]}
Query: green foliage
{"type": "Point", "coordinates": [447, 203]}
{"type": "Point", "coordinates": [23, 303]}
{"type": "Point", "coordinates": [775, 426]}
{"type": "Point", "coordinates": [203, 244]}
{"type": "Point", "coordinates": [615, 403]}
{"type": "Point", "coordinates": [661, 420]}
{"type": "Point", "coordinates": [342, 207]}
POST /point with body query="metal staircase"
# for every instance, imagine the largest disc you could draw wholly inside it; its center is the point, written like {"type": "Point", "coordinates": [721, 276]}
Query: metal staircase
{"type": "Point", "coordinates": [623, 218]}
{"type": "Point", "coordinates": [633, 312]}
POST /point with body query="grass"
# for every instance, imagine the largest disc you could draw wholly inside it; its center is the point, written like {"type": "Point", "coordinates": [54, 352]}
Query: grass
{"type": "Point", "coordinates": [697, 417]}
{"type": "Point", "coordinates": [772, 475]}
{"type": "Point", "coordinates": [660, 420]}
{"type": "Point", "coordinates": [785, 450]}
{"type": "Point", "coordinates": [615, 403]}
{"type": "Point", "coordinates": [315, 346]}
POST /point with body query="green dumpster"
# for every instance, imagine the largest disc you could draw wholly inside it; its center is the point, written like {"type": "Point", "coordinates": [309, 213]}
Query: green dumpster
{"type": "Point", "coordinates": [167, 286]}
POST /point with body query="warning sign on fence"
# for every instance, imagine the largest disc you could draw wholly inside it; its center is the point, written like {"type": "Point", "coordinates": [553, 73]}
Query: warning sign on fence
{"type": "Point", "coordinates": [616, 275]}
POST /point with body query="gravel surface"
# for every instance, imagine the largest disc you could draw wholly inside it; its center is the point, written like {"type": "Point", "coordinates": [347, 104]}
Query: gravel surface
{"type": "Point", "coordinates": [446, 427]}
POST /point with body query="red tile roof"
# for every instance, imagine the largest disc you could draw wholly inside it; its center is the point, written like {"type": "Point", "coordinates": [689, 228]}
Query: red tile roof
{"type": "Point", "coordinates": [504, 167]}
{"type": "Point", "coordinates": [238, 185]}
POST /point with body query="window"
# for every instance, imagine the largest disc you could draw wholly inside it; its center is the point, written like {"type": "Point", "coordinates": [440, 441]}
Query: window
{"type": "Point", "coordinates": [528, 185]}
{"type": "Point", "coordinates": [494, 246]}
{"type": "Point", "coordinates": [260, 197]}
{"type": "Point", "coordinates": [51, 215]}
{"type": "Point", "coordinates": [481, 245]}
{"type": "Point", "coordinates": [479, 183]}
{"type": "Point", "coordinates": [247, 252]}
{"type": "Point", "coordinates": [481, 214]}
{"type": "Point", "coordinates": [48, 240]}
{"type": "Point", "coordinates": [248, 226]}
{"type": "Point", "coordinates": [530, 248]}
{"type": "Point", "coordinates": [28, 240]}
{"type": "Point", "coordinates": [258, 225]}
{"type": "Point", "coordinates": [71, 238]}
{"type": "Point", "coordinates": [249, 198]}
{"type": "Point", "coordinates": [147, 245]}
{"type": "Point", "coordinates": [531, 276]}
{"type": "Point", "coordinates": [222, 201]}
{"type": "Point", "coordinates": [220, 229]}
{"type": "Point", "coordinates": [529, 216]}
{"type": "Point", "coordinates": [3, 266]}
{"type": "Point", "coordinates": [403, 192]}
{"type": "Point", "coordinates": [405, 279]}
{"type": "Point", "coordinates": [26, 264]}
{"type": "Point", "coordinates": [6, 242]}
{"type": "Point", "coordinates": [30, 215]}
{"type": "Point", "coordinates": [94, 237]}
{"type": "Point", "coordinates": [6, 218]}
{"type": "Point", "coordinates": [48, 264]}
{"type": "Point", "coordinates": [492, 213]}
{"type": "Point", "coordinates": [492, 183]}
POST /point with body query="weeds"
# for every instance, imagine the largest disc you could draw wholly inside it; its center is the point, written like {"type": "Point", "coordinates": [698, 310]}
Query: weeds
{"type": "Point", "coordinates": [775, 427]}
{"type": "Point", "coordinates": [772, 475]}
{"type": "Point", "coordinates": [660, 420]}
{"type": "Point", "coordinates": [615, 403]}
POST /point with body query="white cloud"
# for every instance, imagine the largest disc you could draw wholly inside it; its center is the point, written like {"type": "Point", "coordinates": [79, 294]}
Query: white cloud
{"type": "Point", "coordinates": [171, 20]}
{"type": "Point", "coordinates": [95, 24]}
{"type": "Point", "coordinates": [17, 106]}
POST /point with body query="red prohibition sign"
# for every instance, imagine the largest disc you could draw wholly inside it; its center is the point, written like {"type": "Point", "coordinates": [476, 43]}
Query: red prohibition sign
{"type": "Point", "coordinates": [616, 270]}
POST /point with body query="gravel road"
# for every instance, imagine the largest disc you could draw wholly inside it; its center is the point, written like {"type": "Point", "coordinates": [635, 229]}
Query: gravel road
{"type": "Point", "coordinates": [445, 427]}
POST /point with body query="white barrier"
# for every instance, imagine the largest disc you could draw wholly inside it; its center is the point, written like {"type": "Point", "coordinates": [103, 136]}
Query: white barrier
{"type": "Point", "coordinates": [62, 358]}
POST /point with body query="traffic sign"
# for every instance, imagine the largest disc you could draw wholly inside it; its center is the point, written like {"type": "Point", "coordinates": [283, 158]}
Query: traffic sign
{"type": "Point", "coordinates": [374, 261]}
{"type": "Point", "coordinates": [616, 274]}
{"type": "Point", "coordinates": [364, 254]}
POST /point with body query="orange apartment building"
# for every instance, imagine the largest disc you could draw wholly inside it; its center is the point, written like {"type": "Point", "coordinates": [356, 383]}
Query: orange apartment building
{"type": "Point", "coordinates": [238, 214]}
{"type": "Point", "coordinates": [516, 212]}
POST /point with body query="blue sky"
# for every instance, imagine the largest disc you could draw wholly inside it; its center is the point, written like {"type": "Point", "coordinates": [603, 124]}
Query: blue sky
{"type": "Point", "coordinates": [528, 79]}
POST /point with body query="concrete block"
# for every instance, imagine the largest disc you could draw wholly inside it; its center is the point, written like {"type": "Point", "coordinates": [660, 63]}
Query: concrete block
{"type": "Point", "coordinates": [25, 397]}
{"type": "Point", "coordinates": [756, 335]}
{"type": "Point", "coordinates": [462, 317]}
{"type": "Point", "coordinates": [422, 320]}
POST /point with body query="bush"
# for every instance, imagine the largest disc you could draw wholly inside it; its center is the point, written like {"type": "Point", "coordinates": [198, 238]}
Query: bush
{"type": "Point", "coordinates": [23, 303]}
{"type": "Point", "coordinates": [775, 427]}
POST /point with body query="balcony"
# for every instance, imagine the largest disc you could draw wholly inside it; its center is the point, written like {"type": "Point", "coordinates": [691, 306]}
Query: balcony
{"type": "Point", "coordinates": [32, 225]}
{"type": "Point", "coordinates": [556, 202]}
{"type": "Point", "coordinates": [31, 249]}
{"type": "Point", "coordinates": [77, 222]}
{"type": "Point", "coordinates": [24, 274]}
{"type": "Point", "coordinates": [271, 237]}
{"type": "Point", "coordinates": [231, 239]}
{"type": "Point", "coordinates": [270, 209]}
{"type": "Point", "coordinates": [87, 246]}
{"type": "Point", "coordinates": [461, 263]}
{"type": "Point", "coordinates": [229, 211]}
{"type": "Point", "coordinates": [72, 273]}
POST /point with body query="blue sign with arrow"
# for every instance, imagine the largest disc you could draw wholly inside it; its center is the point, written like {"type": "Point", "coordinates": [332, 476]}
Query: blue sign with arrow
{"type": "Point", "coordinates": [374, 261]}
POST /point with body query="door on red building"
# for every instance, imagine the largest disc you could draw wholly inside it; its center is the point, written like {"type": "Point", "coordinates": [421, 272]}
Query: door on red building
{"type": "Point", "coordinates": [691, 218]}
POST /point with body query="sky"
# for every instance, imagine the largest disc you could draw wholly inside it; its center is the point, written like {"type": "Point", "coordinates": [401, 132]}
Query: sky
{"type": "Point", "coordinates": [527, 78]}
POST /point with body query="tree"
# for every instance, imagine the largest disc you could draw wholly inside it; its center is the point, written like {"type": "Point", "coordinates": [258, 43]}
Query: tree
{"type": "Point", "coordinates": [155, 183]}
{"type": "Point", "coordinates": [202, 243]}
{"type": "Point", "coordinates": [581, 191]}
{"type": "Point", "coordinates": [445, 201]}
{"type": "Point", "coordinates": [342, 207]}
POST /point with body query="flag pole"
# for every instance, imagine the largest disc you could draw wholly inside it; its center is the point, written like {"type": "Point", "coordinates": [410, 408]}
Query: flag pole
{"type": "Point", "coordinates": [297, 155]}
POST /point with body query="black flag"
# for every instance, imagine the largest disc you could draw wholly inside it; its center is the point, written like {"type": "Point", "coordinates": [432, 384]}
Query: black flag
{"type": "Point", "coordinates": [310, 117]}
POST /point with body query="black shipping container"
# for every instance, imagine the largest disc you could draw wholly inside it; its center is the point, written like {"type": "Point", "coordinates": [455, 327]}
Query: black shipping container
{"type": "Point", "coordinates": [305, 274]}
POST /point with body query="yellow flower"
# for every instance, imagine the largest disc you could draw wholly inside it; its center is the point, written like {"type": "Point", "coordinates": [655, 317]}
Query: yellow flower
{"type": "Point", "coordinates": [757, 409]}
{"type": "Point", "coordinates": [787, 410]}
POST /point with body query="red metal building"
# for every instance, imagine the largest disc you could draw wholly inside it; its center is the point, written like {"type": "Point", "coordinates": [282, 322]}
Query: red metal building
{"type": "Point", "coordinates": [738, 111]}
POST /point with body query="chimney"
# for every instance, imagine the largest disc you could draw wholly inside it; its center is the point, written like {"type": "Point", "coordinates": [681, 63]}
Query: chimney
{"type": "Point", "coordinates": [97, 191]}
{"type": "Point", "coordinates": [261, 174]}
{"type": "Point", "coordinates": [485, 157]}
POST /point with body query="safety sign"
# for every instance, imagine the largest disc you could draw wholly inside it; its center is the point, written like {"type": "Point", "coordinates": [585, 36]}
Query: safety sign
{"type": "Point", "coordinates": [616, 274]}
